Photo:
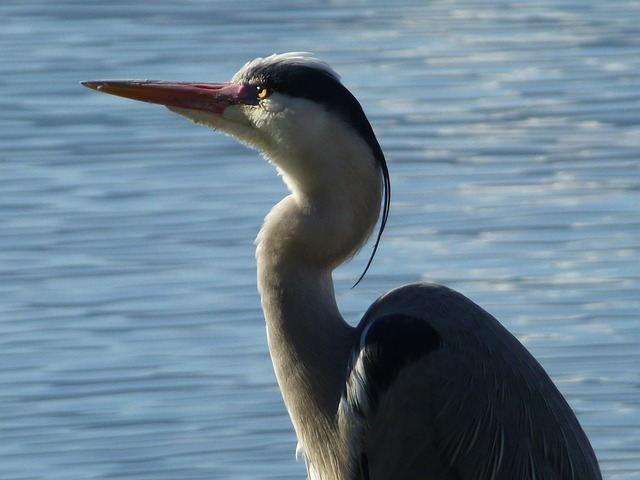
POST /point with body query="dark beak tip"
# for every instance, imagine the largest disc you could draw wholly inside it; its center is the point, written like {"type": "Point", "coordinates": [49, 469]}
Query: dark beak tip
{"type": "Point", "coordinates": [91, 84]}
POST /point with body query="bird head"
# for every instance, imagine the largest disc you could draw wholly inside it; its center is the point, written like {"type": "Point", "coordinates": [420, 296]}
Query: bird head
{"type": "Point", "coordinates": [291, 107]}
{"type": "Point", "coordinates": [285, 106]}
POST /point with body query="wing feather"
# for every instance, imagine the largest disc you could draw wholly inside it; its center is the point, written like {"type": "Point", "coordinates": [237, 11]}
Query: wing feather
{"type": "Point", "coordinates": [441, 391]}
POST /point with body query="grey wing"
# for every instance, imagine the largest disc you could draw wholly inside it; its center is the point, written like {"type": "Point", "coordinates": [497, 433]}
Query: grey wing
{"type": "Point", "coordinates": [439, 390]}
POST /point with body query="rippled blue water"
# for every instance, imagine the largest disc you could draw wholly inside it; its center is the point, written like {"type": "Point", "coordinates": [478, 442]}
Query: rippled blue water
{"type": "Point", "coordinates": [132, 341]}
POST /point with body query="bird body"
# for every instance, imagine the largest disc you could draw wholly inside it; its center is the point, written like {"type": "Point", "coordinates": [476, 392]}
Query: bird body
{"type": "Point", "coordinates": [428, 385]}
{"type": "Point", "coordinates": [482, 407]}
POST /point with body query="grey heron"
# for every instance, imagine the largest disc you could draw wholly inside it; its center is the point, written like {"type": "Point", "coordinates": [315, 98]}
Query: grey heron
{"type": "Point", "coordinates": [428, 385]}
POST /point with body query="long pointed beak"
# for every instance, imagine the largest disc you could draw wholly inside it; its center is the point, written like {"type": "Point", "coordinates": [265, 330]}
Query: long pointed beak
{"type": "Point", "coordinates": [207, 97]}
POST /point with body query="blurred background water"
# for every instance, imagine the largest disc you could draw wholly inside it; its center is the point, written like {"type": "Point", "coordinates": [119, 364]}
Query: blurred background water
{"type": "Point", "coordinates": [131, 337]}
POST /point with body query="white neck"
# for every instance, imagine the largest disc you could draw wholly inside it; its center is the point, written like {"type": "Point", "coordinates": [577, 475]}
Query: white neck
{"type": "Point", "coordinates": [304, 237]}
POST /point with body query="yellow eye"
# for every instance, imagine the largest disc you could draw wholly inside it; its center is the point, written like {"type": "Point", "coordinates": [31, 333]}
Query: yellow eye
{"type": "Point", "coordinates": [262, 91]}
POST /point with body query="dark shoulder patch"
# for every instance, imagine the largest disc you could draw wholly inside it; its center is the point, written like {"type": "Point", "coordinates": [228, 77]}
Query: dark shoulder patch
{"type": "Point", "coordinates": [387, 345]}
{"type": "Point", "coordinates": [393, 341]}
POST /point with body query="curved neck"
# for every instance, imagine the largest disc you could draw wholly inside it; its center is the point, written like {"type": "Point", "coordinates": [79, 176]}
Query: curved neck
{"type": "Point", "coordinates": [309, 341]}
{"type": "Point", "coordinates": [303, 239]}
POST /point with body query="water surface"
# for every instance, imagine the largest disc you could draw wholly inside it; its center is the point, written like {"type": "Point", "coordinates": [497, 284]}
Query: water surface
{"type": "Point", "coordinates": [132, 341]}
